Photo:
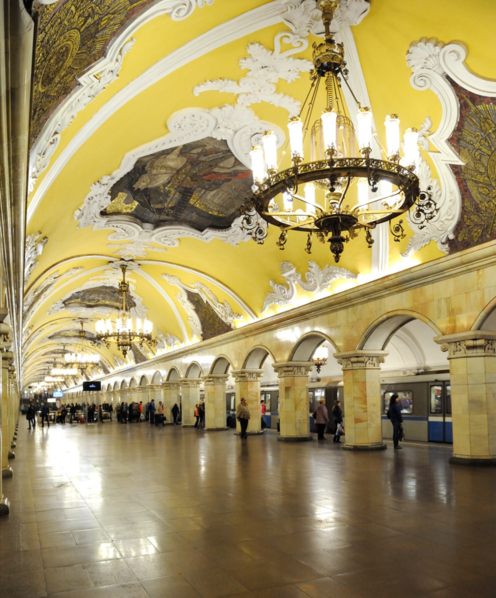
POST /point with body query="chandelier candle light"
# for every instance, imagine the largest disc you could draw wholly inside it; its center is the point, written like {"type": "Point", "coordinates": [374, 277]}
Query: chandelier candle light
{"type": "Point", "coordinates": [124, 332]}
{"type": "Point", "coordinates": [331, 204]}
{"type": "Point", "coordinates": [320, 357]}
{"type": "Point", "coordinates": [83, 358]}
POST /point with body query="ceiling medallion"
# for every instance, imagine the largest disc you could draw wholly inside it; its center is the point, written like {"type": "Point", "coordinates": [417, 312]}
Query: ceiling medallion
{"type": "Point", "coordinates": [82, 359]}
{"type": "Point", "coordinates": [340, 180]}
{"type": "Point", "coordinates": [124, 333]}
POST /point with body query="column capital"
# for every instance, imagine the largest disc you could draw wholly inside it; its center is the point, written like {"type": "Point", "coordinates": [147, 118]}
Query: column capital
{"type": "Point", "coordinates": [361, 360]}
{"type": "Point", "coordinates": [213, 379]}
{"type": "Point", "coordinates": [473, 343]}
{"type": "Point", "coordinates": [171, 385]}
{"type": "Point", "coordinates": [290, 369]}
{"type": "Point", "coordinates": [247, 374]}
{"type": "Point", "coordinates": [7, 357]}
{"type": "Point", "coordinates": [154, 387]}
{"type": "Point", "coordinates": [191, 382]}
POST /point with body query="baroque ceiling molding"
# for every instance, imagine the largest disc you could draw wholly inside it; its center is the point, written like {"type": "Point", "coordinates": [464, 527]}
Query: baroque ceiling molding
{"type": "Point", "coordinates": [166, 341]}
{"type": "Point", "coordinates": [316, 281]}
{"type": "Point", "coordinates": [37, 295]}
{"type": "Point", "coordinates": [293, 13]}
{"type": "Point", "coordinates": [97, 78]}
{"type": "Point", "coordinates": [110, 278]}
{"type": "Point", "coordinates": [222, 309]}
{"type": "Point", "coordinates": [432, 62]}
{"type": "Point", "coordinates": [237, 125]}
{"type": "Point", "coordinates": [34, 248]}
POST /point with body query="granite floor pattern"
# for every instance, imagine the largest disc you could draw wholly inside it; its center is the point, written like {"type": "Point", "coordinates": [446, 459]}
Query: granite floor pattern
{"type": "Point", "coordinates": [142, 512]}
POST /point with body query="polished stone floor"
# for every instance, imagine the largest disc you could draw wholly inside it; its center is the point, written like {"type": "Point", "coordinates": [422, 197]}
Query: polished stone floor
{"type": "Point", "coordinates": [133, 512]}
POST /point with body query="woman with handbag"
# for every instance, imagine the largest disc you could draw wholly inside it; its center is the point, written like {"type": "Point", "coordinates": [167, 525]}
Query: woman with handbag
{"type": "Point", "coordinates": [337, 416]}
{"type": "Point", "coordinates": [321, 419]}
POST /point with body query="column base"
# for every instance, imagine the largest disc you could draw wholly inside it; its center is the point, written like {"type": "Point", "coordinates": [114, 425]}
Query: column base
{"type": "Point", "coordinates": [13, 445]}
{"type": "Point", "coordinates": [472, 462]}
{"type": "Point", "coordinates": [11, 455]}
{"type": "Point", "coordinates": [365, 447]}
{"type": "Point", "coordinates": [4, 506]}
{"type": "Point", "coordinates": [216, 429]}
{"type": "Point", "coordinates": [294, 438]}
{"type": "Point", "coordinates": [188, 425]}
{"type": "Point", "coordinates": [8, 472]}
{"type": "Point", "coordinates": [250, 433]}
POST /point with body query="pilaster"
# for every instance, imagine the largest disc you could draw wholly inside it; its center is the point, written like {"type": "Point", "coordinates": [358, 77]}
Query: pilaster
{"type": "Point", "coordinates": [472, 359]}
{"type": "Point", "coordinates": [362, 399]}
{"type": "Point", "coordinates": [215, 401]}
{"type": "Point", "coordinates": [248, 386]}
{"type": "Point", "coordinates": [294, 416]}
{"type": "Point", "coordinates": [190, 393]}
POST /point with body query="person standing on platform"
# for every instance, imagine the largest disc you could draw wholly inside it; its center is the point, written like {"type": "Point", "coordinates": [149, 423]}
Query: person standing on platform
{"type": "Point", "coordinates": [243, 416]}
{"type": "Point", "coordinates": [337, 416]}
{"type": "Point", "coordinates": [110, 410]}
{"type": "Point", "coordinates": [147, 411]}
{"type": "Point", "coordinates": [140, 409]}
{"type": "Point", "coordinates": [72, 412]}
{"type": "Point", "coordinates": [201, 411]}
{"type": "Point", "coordinates": [151, 411]}
{"type": "Point", "coordinates": [322, 419]}
{"type": "Point", "coordinates": [197, 415]}
{"type": "Point", "coordinates": [31, 416]}
{"type": "Point", "coordinates": [44, 415]}
{"type": "Point", "coordinates": [396, 418]}
{"type": "Point", "coordinates": [175, 413]}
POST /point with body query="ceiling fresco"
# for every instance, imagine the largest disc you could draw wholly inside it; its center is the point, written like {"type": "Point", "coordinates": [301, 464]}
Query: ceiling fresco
{"type": "Point", "coordinates": [200, 184]}
{"type": "Point", "coordinates": [151, 163]}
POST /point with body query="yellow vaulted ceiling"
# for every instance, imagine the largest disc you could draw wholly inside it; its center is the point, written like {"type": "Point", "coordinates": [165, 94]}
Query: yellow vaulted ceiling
{"type": "Point", "coordinates": [237, 275]}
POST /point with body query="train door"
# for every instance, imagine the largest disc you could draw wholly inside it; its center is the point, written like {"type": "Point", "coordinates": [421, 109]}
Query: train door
{"type": "Point", "coordinates": [440, 424]}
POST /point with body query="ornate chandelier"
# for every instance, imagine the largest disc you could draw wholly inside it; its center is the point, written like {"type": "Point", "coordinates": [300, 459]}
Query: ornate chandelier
{"type": "Point", "coordinates": [320, 357]}
{"type": "Point", "coordinates": [82, 359]}
{"type": "Point", "coordinates": [54, 379]}
{"type": "Point", "coordinates": [341, 178]}
{"type": "Point", "coordinates": [64, 372]}
{"type": "Point", "coordinates": [124, 333]}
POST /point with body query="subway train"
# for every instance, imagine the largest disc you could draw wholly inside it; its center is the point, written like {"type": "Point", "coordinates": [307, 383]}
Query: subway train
{"type": "Point", "coordinates": [425, 401]}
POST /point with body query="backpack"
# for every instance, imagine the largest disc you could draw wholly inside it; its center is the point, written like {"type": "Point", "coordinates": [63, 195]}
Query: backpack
{"type": "Point", "coordinates": [388, 413]}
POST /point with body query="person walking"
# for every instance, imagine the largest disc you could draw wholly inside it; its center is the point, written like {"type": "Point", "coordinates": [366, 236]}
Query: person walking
{"type": "Point", "coordinates": [151, 411]}
{"type": "Point", "coordinates": [44, 415]}
{"type": "Point", "coordinates": [197, 415]}
{"type": "Point", "coordinates": [31, 416]}
{"type": "Point", "coordinates": [243, 416]}
{"type": "Point", "coordinates": [201, 411]}
{"type": "Point", "coordinates": [175, 413]}
{"type": "Point", "coordinates": [337, 416]}
{"type": "Point", "coordinates": [394, 414]}
{"type": "Point", "coordinates": [321, 419]}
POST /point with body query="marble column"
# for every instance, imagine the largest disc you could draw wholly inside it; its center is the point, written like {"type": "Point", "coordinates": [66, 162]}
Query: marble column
{"type": "Point", "coordinates": [248, 386]}
{"type": "Point", "coordinates": [190, 390]}
{"type": "Point", "coordinates": [294, 416]}
{"type": "Point", "coordinates": [362, 399]}
{"type": "Point", "coordinates": [6, 361]}
{"type": "Point", "coordinates": [171, 394]}
{"type": "Point", "coordinates": [215, 401]}
{"type": "Point", "coordinates": [472, 359]}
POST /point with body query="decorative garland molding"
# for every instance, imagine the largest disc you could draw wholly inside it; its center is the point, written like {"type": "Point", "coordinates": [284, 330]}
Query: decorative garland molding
{"type": "Point", "coordinates": [34, 248]}
{"type": "Point", "coordinates": [293, 13]}
{"type": "Point", "coordinates": [223, 310]}
{"type": "Point", "coordinates": [97, 78]}
{"type": "Point", "coordinates": [237, 125]}
{"type": "Point", "coordinates": [316, 281]}
{"type": "Point", "coordinates": [432, 62]}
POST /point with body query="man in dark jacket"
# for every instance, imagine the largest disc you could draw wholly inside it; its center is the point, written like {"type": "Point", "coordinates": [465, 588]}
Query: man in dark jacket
{"type": "Point", "coordinates": [44, 415]}
{"type": "Point", "coordinates": [151, 411]}
{"type": "Point", "coordinates": [396, 419]}
{"type": "Point", "coordinates": [31, 416]}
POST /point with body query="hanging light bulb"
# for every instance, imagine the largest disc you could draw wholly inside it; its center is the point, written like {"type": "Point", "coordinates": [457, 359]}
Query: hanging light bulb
{"type": "Point", "coordinates": [295, 127]}
{"type": "Point", "coordinates": [288, 201]}
{"type": "Point", "coordinates": [392, 124]}
{"type": "Point", "coordinates": [269, 142]}
{"type": "Point", "coordinates": [310, 197]}
{"type": "Point", "coordinates": [258, 164]}
{"type": "Point", "coordinates": [329, 120]}
{"type": "Point", "coordinates": [364, 118]}
{"type": "Point", "coordinates": [412, 156]}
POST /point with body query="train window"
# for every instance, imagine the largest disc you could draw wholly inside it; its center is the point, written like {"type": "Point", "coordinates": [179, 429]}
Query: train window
{"type": "Point", "coordinates": [406, 400]}
{"type": "Point", "coordinates": [436, 403]}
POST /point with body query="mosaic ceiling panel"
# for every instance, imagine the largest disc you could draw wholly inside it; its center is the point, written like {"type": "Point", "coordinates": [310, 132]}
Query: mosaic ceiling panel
{"type": "Point", "coordinates": [200, 184]}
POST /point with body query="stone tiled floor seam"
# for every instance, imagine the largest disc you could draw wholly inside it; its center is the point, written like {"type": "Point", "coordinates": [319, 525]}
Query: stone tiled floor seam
{"type": "Point", "coordinates": [142, 512]}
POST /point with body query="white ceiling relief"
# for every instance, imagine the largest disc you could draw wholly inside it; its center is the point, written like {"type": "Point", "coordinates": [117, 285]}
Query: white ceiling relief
{"type": "Point", "coordinates": [34, 248]}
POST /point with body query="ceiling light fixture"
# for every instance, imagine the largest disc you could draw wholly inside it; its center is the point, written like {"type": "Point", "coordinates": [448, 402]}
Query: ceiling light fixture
{"type": "Point", "coordinates": [124, 333]}
{"type": "Point", "coordinates": [320, 357]}
{"type": "Point", "coordinates": [329, 205]}
{"type": "Point", "coordinates": [82, 359]}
